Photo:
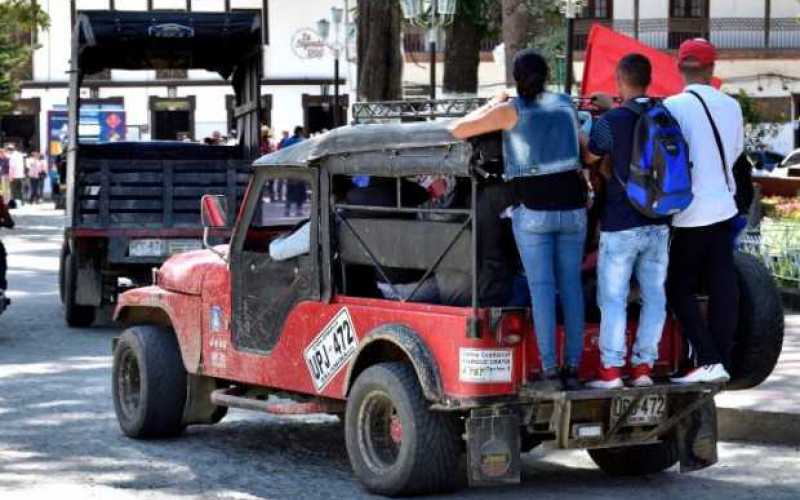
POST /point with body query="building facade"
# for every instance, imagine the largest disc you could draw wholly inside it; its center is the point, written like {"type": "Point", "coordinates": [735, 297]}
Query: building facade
{"type": "Point", "coordinates": [758, 43]}
{"type": "Point", "coordinates": [297, 85]}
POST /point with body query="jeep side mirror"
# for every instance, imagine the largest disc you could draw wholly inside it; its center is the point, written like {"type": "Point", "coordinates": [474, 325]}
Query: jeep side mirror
{"type": "Point", "coordinates": [214, 211]}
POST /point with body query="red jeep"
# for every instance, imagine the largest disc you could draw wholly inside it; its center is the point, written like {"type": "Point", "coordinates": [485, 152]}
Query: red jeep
{"type": "Point", "coordinates": [418, 384]}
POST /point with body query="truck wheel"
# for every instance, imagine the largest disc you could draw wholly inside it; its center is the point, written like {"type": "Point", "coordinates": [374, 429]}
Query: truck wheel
{"type": "Point", "coordinates": [396, 445]}
{"type": "Point", "coordinates": [636, 460]}
{"type": "Point", "coordinates": [759, 334]}
{"type": "Point", "coordinates": [75, 315]}
{"type": "Point", "coordinates": [148, 383]}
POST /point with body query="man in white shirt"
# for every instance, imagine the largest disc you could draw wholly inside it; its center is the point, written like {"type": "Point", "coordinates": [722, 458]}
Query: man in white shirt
{"type": "Point", "coordinates": [16, 172]}
{"type": "Point", "coordinates": [702, 241]}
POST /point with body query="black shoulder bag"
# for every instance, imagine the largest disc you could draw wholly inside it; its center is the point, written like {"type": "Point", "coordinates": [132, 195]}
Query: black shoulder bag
{"type": "Point", "coordinates": [742, 170]}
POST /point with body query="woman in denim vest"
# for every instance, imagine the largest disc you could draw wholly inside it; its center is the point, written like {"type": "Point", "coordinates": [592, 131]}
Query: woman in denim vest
{"type": "Point", "coordinates": [542, 167]}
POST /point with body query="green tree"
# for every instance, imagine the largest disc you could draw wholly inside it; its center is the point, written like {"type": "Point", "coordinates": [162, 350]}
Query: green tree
{"type": "Point", "coordinates": [380, 60]}
{"type": "Point", "coordinates": [18, 19]}
{"type": "Point", "coordinates": [474, 21]}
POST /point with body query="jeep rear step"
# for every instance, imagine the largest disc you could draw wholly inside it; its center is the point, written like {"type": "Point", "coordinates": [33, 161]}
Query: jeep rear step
{"type": "Point", "coordinates": [680, 415]}
{"type": "Point", "coordinates": [593, 407]}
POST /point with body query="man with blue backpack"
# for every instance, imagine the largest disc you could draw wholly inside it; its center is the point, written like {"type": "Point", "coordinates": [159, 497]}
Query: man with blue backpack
{"type": "Point", "coordinates": [649, 180]}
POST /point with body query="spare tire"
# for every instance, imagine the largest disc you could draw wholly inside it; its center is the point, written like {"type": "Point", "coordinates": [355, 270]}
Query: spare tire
{"type": "Point", "coordinates": [759, 334]}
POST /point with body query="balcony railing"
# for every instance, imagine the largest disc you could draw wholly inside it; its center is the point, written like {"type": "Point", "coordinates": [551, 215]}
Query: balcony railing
{"type": "Point", "coordinates": [726, 33]}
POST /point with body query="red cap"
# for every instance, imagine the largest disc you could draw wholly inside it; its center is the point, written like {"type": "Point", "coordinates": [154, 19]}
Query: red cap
{"type": "Point", "coordinates": [699, 49]}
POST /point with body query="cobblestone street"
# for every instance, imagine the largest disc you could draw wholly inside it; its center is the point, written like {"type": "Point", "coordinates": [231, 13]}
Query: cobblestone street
{"type": "Point", "coordinates": [59, 437]}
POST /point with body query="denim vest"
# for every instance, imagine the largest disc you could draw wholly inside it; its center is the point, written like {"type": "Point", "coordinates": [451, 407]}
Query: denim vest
{"type": "Point", "coordinates": [545, 138]}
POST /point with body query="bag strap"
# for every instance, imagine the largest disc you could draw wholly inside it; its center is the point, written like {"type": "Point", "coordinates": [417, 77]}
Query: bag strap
{"type": "Point", "coordinates": [639, 109]}
{"type": "Point", "coordinates": [716, 138]}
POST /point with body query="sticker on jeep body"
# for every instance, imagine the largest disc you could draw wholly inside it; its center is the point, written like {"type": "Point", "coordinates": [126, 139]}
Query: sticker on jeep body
{"type": "Point", "coordinates": [331, 349]}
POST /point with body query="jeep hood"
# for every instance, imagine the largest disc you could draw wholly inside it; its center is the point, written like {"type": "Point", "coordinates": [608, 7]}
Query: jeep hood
{"type": "Point", "coordinates": [185, 272]}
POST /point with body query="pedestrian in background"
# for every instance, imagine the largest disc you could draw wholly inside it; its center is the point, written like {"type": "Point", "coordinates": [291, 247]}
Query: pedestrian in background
{"type": "Point", "coordinates": [702, 239]}
{"type": "Point", "coordinates": [16, 173]}
{"type": "Point", "coordinates": [35, 173]}
{"type": "Point", "coordinates": [5, 188]}
{"type": "Point", "coordinates": [295, 190]}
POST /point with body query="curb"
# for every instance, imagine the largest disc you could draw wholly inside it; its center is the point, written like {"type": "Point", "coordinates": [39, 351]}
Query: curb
{"type": "Point", "coordinates": [758, 426]}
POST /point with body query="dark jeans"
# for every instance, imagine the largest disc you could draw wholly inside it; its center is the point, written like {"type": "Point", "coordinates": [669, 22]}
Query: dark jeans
{"type": "Point", "coordinates": [3, 264]}
{"type": "Point", "coordinates": [497, 252]}
{"type": "Point", "coordinates": [702, 257]}
{"type": "Point", "coordinates": [33, 195]}
{"type": "Point", "coordinates": [17, 186]}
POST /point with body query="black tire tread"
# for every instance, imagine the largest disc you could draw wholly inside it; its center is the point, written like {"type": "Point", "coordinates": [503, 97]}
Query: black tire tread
{"type": "Point", "coordinates": [436, 460]}
{"type": "Point", "coordinates": [760, 329]}
{"type": "Point", "coordinates": [163, 377]}
{"type": "Point", "coordinates": [636, 460]}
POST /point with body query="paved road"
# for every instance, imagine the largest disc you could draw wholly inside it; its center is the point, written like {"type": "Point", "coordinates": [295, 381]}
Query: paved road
{"type": "Point", "coordinates": [59, 437]}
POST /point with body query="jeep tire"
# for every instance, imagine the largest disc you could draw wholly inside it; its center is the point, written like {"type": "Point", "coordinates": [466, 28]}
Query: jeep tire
{"type": "Point", "coordinates": [759, 333]}
{"type": "Point", "coordinates": [75, 315]}
{"type": "Point", "coordinates": [149, 383]}
{"type": "Point", "coordinates": [637, 460]}
{"type": "Point", "coordinates": [396, 445]}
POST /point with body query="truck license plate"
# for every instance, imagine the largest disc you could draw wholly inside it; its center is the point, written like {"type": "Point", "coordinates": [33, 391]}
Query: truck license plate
{"type": "Point", "coordinates": [651, 410]}
{"type": "Point", "coordinates": [331, 349]}
{"type": "Point", "coordinates": [180, 246]}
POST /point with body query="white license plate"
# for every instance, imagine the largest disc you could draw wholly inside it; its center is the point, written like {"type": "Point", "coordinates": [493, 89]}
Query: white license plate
{"type": "Point", "coordinates": [146, 248]}
{"type": "Point", "coordinates": [331, 349]}
{"type": "Point", "coordinates": [650, 410]}
{"type": "Point", "coordinates": [179, 246]}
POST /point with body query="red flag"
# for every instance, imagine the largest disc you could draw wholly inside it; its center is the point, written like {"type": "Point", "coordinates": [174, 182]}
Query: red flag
{"type": "Point", "coordinates": [606, 47]}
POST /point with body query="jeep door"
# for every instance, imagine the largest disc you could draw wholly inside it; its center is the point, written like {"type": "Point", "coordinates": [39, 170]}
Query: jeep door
{"type": "Point", "coordinates": [274, 256]}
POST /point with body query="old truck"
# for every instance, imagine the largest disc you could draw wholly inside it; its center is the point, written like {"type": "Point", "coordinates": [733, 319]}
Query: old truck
{"type": "Point", "coordinates": [418, 383]}
{"type": "Point", "coordinates": [130, 205]}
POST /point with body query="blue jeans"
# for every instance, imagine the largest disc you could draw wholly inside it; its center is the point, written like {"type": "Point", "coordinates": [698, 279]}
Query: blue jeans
{"type": "Point", "coordinates": [550, 244]}
{"type": "Point", "coordinates": [645, 252]}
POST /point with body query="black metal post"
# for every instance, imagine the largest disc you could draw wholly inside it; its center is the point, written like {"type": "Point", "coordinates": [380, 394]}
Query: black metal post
{"type": "Point", "coordinates": [432, 47]}
{"type": "Point", "coordinates": [569, 54]}
{"type": "Point", "coordinates": [336, 121]}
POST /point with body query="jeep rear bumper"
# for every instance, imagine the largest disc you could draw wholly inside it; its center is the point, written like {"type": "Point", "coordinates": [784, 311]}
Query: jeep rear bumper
{"type": "Point", "coordinates": [587, 419]}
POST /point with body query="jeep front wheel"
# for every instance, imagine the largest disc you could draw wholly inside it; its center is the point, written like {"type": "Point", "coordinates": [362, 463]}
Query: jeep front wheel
{"type": "Point", "coordinates": [396, 445]}
{"type": "Point", "coordinates": [148, 383]}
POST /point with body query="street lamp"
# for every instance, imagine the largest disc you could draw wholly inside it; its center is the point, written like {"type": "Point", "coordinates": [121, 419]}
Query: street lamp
{"type": "Point", "coordinates": [324, 30]}
{"type": "Point", "coordinates": [570, 9]}
{"type": "Point", "coordinates": [432, 15]}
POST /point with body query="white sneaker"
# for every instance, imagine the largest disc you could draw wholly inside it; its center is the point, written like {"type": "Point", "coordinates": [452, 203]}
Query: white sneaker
{"type": "Point", "coordinates": [642, 381]}
{"type": "Point", "coordinates": [708, 374]}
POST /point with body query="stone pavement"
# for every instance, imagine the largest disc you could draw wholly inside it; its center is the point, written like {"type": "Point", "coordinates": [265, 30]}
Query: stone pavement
{"type": "Point", "coordinates": [769, 412]}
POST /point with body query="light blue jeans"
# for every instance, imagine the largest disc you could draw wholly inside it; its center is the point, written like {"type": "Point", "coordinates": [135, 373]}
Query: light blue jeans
{"type": "Point", "coordinates": [550, 244]}
{"type": "Point", "coordinates": [645, 252]}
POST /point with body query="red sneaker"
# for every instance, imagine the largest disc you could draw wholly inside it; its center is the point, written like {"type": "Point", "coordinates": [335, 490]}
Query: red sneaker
{"type": "Point", "coordinates": [640, 376]}
{"type": "Point", "coordinates": [607, 378]}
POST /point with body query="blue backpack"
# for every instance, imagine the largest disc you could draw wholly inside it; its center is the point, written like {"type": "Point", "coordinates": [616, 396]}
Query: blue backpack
{"type": "Point", "coordinates": [660, 178]}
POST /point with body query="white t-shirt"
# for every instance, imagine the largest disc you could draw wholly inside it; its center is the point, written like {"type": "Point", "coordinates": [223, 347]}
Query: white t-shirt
{"type": "Point", "coordinates": [713, 200]}
{"type": "Point", "coordinates": [16, 165]}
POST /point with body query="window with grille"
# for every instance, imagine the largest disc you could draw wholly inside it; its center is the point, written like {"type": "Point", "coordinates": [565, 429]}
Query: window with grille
{"type": "Point", "coordinates": [597, 9]}
{"type": "Point", "coordinates": [688, 8]}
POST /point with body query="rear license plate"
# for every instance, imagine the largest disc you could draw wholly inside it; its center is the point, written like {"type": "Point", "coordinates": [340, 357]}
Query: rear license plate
{"type": "Point", "coordinates": [650, 410]}
{"type": "Point", "coordinates": [180, 246]}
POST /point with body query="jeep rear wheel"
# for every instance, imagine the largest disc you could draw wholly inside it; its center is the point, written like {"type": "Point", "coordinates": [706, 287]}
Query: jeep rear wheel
{"type": "Point", "coordinates": [636, 460]}
{"type": "Point", "coordinates": [75, 315]}
{"type": "Point", "coordinates": [759, 333]}
{"type": "Point", "coordinates": [396, 445]}
{"type": "Point", "coordinates": [148, 383]}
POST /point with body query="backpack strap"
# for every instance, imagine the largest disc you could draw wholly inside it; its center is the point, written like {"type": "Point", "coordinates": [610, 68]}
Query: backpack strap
{"type": "Point", "coordinates": [716, 138]}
